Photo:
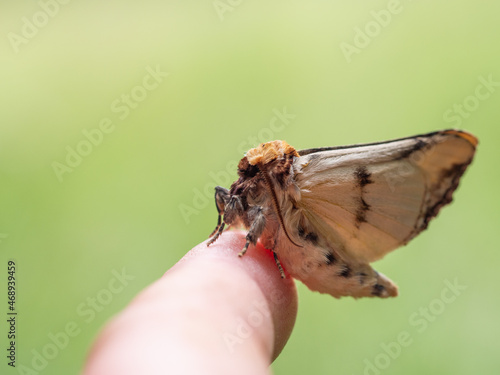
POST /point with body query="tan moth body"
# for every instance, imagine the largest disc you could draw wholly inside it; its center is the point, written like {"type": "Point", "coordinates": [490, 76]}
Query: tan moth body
{"type": "Point", "coordinates": [327, 213]}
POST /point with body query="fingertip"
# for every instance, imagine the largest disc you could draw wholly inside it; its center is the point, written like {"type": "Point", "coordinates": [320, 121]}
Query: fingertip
{"type": "Point", "coordinates": [259, 264]}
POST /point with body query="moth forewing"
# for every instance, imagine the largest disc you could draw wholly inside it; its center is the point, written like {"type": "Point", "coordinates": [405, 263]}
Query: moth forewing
{"type": "Point", "coordinates": [327, 212]}
{"type": "Point", "coordinates": [379, 196]}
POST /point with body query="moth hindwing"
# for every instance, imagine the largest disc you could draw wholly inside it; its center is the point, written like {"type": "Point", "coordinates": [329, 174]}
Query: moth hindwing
{"type": "Point", "coordinates": [326, 213]}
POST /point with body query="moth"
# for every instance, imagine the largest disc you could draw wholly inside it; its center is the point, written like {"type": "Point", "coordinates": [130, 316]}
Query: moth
{"type": "Point", "coordinates": [327, 213]}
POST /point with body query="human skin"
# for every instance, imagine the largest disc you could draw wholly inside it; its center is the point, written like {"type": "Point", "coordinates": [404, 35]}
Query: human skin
{"type": "Point", "coordinates": [211, 313]}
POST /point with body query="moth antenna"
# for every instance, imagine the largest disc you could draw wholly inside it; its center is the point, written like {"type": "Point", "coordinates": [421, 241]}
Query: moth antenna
{"type": "Point", "coordinates": [263, 172]}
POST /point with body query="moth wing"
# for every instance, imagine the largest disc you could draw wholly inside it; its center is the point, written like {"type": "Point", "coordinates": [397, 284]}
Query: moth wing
{"type": "Point", "coordinates": [321, 271]}
{"type": "Point", "coordinates": [366, 200]}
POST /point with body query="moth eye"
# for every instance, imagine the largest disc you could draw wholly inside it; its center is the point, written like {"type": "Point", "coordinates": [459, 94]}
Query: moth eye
{"type": "Point", "coordinates": [248, 171]}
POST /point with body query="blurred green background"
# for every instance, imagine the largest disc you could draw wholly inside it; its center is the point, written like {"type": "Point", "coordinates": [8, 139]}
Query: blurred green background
{"type": "Point", "coordinates": [76, 213]}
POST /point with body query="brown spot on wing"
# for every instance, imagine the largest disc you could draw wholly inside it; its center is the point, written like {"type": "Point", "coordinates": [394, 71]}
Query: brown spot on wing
{"type": "Point", "coordinates": [345, 272]}
{"type": "Point", "coordinates": [378, 290]}
{"type": "Point", "coordinates": [307, 236]}
{"type": "Point", "coordinates": [455, 172]}
{"type": "Point", "coordinates": [419, 145]}
{"type": "Point", "coordinates": [362, 176]}
{"type": "Point", "coordinates": [362, 277]}
{"type": "Point", "coordinates": [363, 208]}
{"type": "Point", "coordinates": [330, 259]}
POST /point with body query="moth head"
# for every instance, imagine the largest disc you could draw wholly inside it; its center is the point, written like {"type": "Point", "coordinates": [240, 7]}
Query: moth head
{"type": "Point", "coordinates": [247, 170]}
{"type": "Point", "coordinates": [268, 152]}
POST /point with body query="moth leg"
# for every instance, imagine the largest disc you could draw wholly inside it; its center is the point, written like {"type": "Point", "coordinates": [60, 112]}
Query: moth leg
{"type": "Point", "coordinates": [258, 220]}
{"type": "Point", "coordinates": [278, 263]}
{"type": "Point", "coordinates": [219, 232]}
{"type": "Point", "coordinates": [221, 199]}
{"type": "Point", "coordinates": [231, 207]}
{"type": "Point", "coordinates": [219, 222]}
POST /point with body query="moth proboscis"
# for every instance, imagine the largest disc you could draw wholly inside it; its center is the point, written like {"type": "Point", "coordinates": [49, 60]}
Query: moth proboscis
{"type": "Point", "coordinates": [326, 213]}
